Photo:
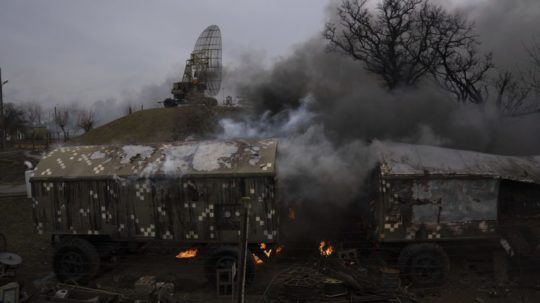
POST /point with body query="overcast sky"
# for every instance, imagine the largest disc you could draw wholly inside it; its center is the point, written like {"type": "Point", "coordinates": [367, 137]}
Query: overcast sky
{"type": "Point", "coordinates": [63, 50]}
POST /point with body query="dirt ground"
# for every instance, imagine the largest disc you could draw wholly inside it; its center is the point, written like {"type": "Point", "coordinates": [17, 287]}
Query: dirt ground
{"type": "Point", "coordinates": [12, 165]}
{"type": "Point", "coordinates": [191, 285]}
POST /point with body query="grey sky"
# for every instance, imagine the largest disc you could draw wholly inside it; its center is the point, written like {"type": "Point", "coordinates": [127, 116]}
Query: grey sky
{"type": "Point", "coordinates": [64, 51]}
{"type": "Point", "coordinates": [60, 51]}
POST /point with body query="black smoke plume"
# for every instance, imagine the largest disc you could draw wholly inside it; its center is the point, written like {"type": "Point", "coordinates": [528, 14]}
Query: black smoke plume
{"type": "Point", "coordinates": [327, 109]}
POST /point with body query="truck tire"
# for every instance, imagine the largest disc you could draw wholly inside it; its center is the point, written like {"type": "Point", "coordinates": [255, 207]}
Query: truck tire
{"type": "Point", "coordinates": [223, 258]}
{"type": "Point", "coordinates": [76, 259]}
{"type": "Point", "coordinates": [424, 264]}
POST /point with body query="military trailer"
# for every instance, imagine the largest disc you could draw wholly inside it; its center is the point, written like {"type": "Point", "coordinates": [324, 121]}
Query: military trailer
{"type": "Point", "coordinates": [426, 199]}
{"type": "Point", "coordinates": [96, 201]}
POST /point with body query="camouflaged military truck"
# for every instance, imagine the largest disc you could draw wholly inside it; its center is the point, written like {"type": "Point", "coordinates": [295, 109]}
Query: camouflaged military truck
{"type": "Point", "coordinates": [427, 199]}
{"type": "Point", "coordinates": [96, 201]}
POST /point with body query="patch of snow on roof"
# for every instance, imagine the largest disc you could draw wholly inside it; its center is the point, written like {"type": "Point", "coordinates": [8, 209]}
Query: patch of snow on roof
{"type": "Point", "coordinates": [177, 158]}
{"type": "Point", "coordinates": [212, 155]}
{"type": "Point", "coordinates": [97, 155]}
{"type": "Point", "coordinates": [408, 159]}
{"type": "Point", "coordinates": [136, 151]}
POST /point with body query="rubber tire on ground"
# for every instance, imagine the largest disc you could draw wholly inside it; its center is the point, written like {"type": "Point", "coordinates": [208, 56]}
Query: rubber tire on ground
{"type": "Point", "coordinates": [82, 255]}
{"type": "Point", "coordinates": [224, 253]}
{"type": "Point", "coordinates": [424, 264]}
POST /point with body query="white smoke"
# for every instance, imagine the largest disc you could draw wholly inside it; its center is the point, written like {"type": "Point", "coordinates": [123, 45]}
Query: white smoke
{"type": "Point", "coordinates": [310, 167]}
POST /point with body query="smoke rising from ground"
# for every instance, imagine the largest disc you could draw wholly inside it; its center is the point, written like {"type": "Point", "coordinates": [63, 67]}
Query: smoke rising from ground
{"type": "Point", "coordinates": [312, 170]}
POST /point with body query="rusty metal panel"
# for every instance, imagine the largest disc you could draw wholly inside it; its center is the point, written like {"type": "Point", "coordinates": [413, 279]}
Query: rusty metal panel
{"type": "Point", "coordinates": [454, 200]}
{"type": "Point", "coordinates": [438, 209]}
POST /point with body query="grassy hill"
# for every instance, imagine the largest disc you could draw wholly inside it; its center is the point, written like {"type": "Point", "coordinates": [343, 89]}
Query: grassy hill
{"type": "Point", "coordinates": [159, 125]}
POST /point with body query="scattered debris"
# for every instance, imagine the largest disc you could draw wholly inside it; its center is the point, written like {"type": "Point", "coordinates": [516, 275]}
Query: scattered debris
{"type": "Point", "coordinates": [333, 279]}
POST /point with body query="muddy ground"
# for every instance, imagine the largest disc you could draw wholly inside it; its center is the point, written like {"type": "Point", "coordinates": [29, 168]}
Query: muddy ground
{"type": "Point", "coordinates": [465, 284]}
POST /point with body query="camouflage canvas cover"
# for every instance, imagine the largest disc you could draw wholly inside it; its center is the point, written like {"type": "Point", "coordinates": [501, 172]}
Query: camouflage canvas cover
{"type": "Point", "coordinates": [184, 191]}
{"type": "Point", "coordinates": [433, 193]}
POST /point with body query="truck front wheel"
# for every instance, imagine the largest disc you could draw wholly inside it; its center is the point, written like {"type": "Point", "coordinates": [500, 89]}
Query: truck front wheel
{"type": "Point", "coordinates": [76, 259]}
{"type": "Point", "coordinates": [424, 264]}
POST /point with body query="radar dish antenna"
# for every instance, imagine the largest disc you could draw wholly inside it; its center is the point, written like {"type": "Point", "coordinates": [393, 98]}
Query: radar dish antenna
{"type": "Point", "coordinates": [208, 46]}
{"type": "Point", "coordinates": [202, 76]}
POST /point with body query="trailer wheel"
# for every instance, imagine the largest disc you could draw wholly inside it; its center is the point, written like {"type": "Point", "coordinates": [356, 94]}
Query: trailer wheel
{"type": "Point", "coordinates": [224, 258]}
{"type": "Point", "coordinates": [76, 259]}
{"type": "Point", "coordinates": [424, 265]}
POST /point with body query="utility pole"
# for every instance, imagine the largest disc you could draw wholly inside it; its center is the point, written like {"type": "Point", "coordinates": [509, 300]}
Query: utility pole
{"type": "Point", "coordinates": [2, 121]}
{"type": "Point", "coordinates": [242, 270]}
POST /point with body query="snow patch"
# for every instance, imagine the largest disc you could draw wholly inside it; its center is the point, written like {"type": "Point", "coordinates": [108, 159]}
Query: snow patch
{"type": "Point", "coordinates": [97, 155]}
{"type": "Point", "coordinates": [136, 151]}
{"type": "Point", "coordinates": [177, 158]}
{"type": "Point", "coordinates": [212, 155]}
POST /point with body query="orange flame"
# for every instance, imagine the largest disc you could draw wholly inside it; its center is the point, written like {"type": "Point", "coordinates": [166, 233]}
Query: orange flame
{"type": "Point", "coordinates": [267, 252]}
{"type": "Point", "coordinates": [326, 249]}
{"type": "Point", "coordinates": [292, 213]}
{"type": "Point", "coordinates": [186, 254]}
{"type": "Point", "coordinates": [258, 260]}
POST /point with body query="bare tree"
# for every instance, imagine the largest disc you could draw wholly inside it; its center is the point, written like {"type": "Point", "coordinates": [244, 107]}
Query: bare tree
{"type": "Point", "coordinates": [61, 119]}
{"type": "Point", "coordinates": [461, 68]}
{"type": "Point", "coordinates": [86, 120]}
{"type": "Point", "coordinates": [407, 40]}
{"type": "Point", "coordinates": [512, 93]}
{"type": "Point", "coordinates": [534, 73]}
{"type": "Point", "coordinates": [14, 120]}
{"type": "Point", "coordinates": [34, 113]}
{"type": "Point", "coordinates": [518, 93]}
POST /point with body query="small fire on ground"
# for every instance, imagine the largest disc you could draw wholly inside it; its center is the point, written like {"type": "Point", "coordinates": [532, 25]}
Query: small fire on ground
{"type": "Point", "coordinates": [258, 260]}
{"type": "Point", "coordinates": [267, 252]}
{"type": "Point", "coordinates": [325, 248]}
{"type": "Point", "coordinates": [186, 254]}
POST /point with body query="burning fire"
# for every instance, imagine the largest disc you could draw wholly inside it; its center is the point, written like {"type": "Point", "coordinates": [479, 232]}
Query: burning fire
{"type": "Point", "coordinates": [292, 213]}
{"type": "Point", "coordinates": [186, 254]}
{"type": "Point", "coordinates": [258, 260]}
{"type": "Point", "coordinates": [326, 248]}
{"type": "Point", "coordinates": [267, 252]}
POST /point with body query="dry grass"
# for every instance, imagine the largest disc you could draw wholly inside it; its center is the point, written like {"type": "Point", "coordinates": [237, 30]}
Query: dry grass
{"type": "Point", "coordinates": [159, 125]}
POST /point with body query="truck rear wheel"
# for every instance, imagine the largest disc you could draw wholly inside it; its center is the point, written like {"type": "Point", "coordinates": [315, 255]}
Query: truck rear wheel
{"type": "Point", "coordinates": [76, 259]}
{"type": "Point", "coordinates": [225, 258]}
{"type": "Point", "coordinates": [424, 264]}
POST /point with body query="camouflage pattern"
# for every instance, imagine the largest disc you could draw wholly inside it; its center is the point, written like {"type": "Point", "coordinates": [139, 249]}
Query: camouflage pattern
{"type": "Point", "coordinates": [188, 191]}
{"type": "Point", "coordinates": [427, 193]}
